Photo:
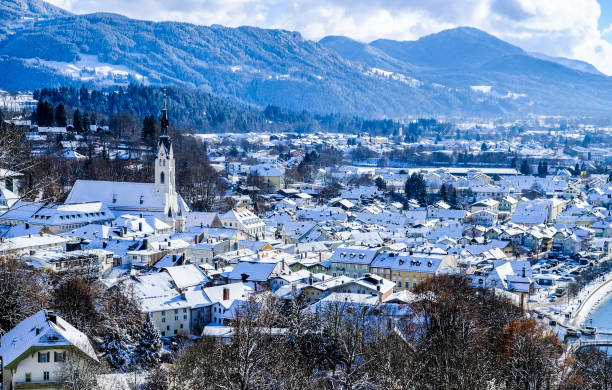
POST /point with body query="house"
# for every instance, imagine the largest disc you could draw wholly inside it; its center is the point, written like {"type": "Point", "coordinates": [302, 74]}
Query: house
{"type": "Point", "coordinates": [34, 352]}
{"type": "Point", "coordinates": [90, 263]}
{"type": "Point", "coordinates": [352, 261]}
{"type": "Point", "coordinates": [508, 204]}
{"type": "Point", "coordinates": [258, 273]}
{"type": "Point", "coordinates": [368, 285]}
{"type": "Point", "coordinates": [485, 204]}
{"type": "Point", "coordinates": [244, 220]}
{"type": "Point", "coordinates": [407, 269]}
{"type": "Point", "coordinates": [31, 244]}
{"type": "Point", "coordinates": [163, 296]}
{"type": "Point", "coordinates": [205, 252]}
{"type": "Point", "coordinates": [203, 219]}
{"type": "Point", "coordinates": [269, 178]}
{"type": "Point", "coordinates": [159, 198]}
{"type": "Point", "coordinates": [484, 218]}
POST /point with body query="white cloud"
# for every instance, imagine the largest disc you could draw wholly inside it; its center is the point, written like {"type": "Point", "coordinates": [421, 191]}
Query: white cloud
{"type": "Point", "coordinates": [565, 28]}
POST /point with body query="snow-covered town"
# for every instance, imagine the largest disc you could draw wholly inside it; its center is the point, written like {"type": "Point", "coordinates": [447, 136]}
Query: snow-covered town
{"type": "Point", "coordinates": [308, 221]}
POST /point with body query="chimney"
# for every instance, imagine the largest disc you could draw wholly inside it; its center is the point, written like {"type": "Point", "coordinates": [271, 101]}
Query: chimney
{"type": "Point", "coordinates": [141, 215]}
{"type": "Point", "coordinates": [139, 226]}
{"type": "Point", "coordinates": [52, 317]}
{"type": "Point", "coordinates": [124, 230]}
{"type": "Point", "coordinates": [226, 293]}
{"type": "Point", "coordinates": [196, 239]}
{"type": "Point", "coordinates": [524, 271]}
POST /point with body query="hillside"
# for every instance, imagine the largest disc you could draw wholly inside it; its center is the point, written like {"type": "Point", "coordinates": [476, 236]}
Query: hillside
{"type": "Point", "coordinates": [459, 72]}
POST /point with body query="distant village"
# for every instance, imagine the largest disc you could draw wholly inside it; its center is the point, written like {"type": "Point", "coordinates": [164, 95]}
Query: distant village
{"type": "Point", "coordinates": [368, 230]}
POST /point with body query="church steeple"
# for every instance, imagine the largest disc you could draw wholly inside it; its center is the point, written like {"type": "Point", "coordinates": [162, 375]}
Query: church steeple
{"type": "Point", "coordinates": [164, 138]}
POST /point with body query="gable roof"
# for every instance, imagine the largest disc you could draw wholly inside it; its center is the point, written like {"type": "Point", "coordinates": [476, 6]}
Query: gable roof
{"type": "Point", "coordinates": [255, 271]}
{"type": "Point", "coordinates": [40, 330]}
{"type": "Point", "coordinates": [126, 195]}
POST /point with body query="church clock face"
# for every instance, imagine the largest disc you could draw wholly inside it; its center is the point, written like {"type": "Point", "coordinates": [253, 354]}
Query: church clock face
{"type": "Point", "coordinates": [162, 154]}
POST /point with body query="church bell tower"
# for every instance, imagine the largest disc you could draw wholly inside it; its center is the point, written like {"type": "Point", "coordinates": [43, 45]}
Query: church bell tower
{"type": "Point", "coordinates": [164, 161]}
{"type": "Point", "coordinates": [165, 185]}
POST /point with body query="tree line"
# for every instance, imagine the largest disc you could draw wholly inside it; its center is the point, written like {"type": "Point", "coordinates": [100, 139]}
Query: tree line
{"type": "Point", "coordinates": [452, 336]}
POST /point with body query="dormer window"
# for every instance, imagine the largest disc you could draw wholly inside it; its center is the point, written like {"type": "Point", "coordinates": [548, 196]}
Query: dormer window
{"type": "Point", "coordinates": [114, 198]}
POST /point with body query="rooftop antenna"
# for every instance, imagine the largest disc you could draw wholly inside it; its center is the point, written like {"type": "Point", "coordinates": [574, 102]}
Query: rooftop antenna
{"type": "Point", "coordinates": [165, 100]}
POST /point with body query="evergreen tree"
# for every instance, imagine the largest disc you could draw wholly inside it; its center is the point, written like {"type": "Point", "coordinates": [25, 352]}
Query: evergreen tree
{"type": "Point", "coordinates": [148, 346]}
{"type": "Point", "coordinates": [77, 121]}
{"type": "Point", "coordinates": [416, 188]}
{"type": "Point", "coordinates": [84, 95]}
{"type": "Point", "coordinates": [148, 129]}
{"type": "Point", "coordinates": [60, 116]}
{"type": "Point", "coordinates": [453, 196]}
{"type": "Point", "coordinates": [86, 123]}
{"type": "Point", "coordinates": [525, 169]}
{"type": "Point", "coordinates": [380, 183]}
{"type": "Point", "coordinates": [443, 193]}
{"type": "Point", "coordinates": [116, 348]}
{"type": "Point", "coordinates": [484, 147]}
{"type": "Point", "coordinates": [44, 113]}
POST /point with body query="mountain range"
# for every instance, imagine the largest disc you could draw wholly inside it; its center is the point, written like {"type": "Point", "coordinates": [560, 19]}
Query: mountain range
{"type": "Point", "coordinates": [459, 72]}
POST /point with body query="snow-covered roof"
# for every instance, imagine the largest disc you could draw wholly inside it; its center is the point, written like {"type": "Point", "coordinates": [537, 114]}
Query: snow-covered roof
{"type": "Point", "coordinates": [43, 329]}
{"type": "Point", "coordinates": [255, 271]}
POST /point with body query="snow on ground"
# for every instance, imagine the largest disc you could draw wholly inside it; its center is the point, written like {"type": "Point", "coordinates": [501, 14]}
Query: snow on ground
{"type": "Point", "coordinates": [514, 95]}
{"type": "Point", "coordinates": [89, 68]}
{"type": "Point", "coordinates": [412, 82]}
{"type": "Point", "coordinates": [481, 88]}
{"type": "Point", "coordinates": [126, 381]}
{"type": "Point", "coordinates": [580, 306]}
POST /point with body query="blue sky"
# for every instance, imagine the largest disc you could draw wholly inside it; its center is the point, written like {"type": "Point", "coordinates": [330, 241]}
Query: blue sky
{"type": "Point", "coordinates": [580, 29]}
{"type": "Point", "coordinates": [605, 20]}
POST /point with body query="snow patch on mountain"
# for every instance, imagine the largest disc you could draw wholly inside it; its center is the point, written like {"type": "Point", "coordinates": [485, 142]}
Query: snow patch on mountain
{"type": "Point", "coordinates": [89, 68]}
{"type": "Point", "coordinates": [410, 81]}
{"type": "Point", "coordinates": [481, 88]}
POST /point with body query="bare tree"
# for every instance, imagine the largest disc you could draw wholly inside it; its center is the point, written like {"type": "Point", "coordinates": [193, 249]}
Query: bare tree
{"type": "Point", "coordinates": [79, 372]}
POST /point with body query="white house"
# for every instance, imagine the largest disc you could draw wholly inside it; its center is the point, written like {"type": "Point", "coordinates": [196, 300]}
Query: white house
{"type": "Point", "coordinates": [245, 220]}
{"type": "Point", "coordinates": [34, 351]}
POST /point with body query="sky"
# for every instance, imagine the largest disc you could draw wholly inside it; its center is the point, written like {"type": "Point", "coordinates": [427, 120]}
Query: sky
{"type": "Point", "coordinates": [580, 29]}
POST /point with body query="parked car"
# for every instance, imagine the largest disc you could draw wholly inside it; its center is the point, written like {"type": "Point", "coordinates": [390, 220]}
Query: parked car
{"type": "Point", "coordinates": [571, 332]}
{"type": "Point", "coordinates": [589, 330]}
{"type": "Point", "coordinates": [552, 323]}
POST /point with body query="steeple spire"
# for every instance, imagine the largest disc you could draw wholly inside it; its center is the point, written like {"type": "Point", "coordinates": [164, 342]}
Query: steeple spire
{"type": "Point", "coordinates": [164, 121]}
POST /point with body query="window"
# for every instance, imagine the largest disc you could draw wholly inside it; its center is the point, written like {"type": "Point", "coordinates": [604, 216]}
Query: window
{"type": "Point", "coordinates": [184, 316]}
{"type": "Point", "coordinates": [161, 178]}
{"type": "Point", "coordinates": [59, 357]}
{"type": "Point", "coordinates": [28, 377]}
{"type": "Point", "coordinates": [46, 375]}
{"type": "Point", "coordinates": [175, 318]}
{"type": "Point", "coordinates": [181, 326]}
{"type": "Point", "coordinates": [163, 319]}
{"type": "Point", "coordinates": [185, 310]}
{"type": "Point", "coordinates": [43, 357]}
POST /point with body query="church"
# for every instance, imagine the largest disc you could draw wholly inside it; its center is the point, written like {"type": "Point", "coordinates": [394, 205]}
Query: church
{"type": "Point", "coordinates": [158, 199]}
